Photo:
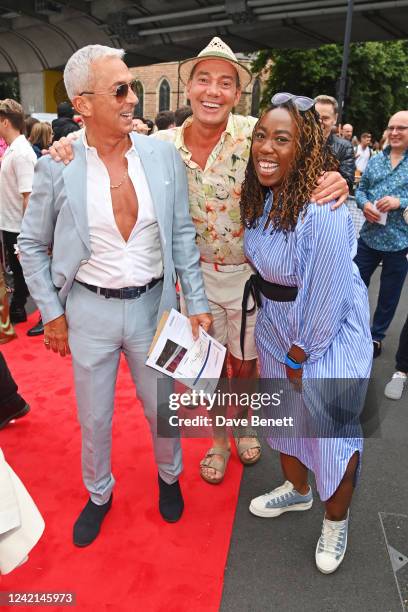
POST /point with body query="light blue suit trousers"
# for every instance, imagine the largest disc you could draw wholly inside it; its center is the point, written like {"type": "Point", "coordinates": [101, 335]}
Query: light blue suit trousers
{"type": "Point", "coordinates": [100, 330]}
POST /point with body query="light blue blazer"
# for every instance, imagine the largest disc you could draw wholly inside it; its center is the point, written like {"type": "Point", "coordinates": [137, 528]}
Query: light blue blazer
{"type": "Point", "coordinates": [57, 216]}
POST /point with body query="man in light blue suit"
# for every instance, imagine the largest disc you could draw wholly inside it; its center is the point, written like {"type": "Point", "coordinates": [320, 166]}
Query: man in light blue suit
{"type": "Point", "coordinates": [118, 222]}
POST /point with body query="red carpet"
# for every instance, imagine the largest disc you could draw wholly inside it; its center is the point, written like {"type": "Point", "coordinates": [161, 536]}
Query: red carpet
{"type": "Point", "coordinates": [139, 562]}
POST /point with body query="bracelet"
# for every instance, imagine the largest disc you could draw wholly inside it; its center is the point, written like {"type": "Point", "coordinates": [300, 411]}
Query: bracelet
{"type": "Point", "coordinates": [291, 363]}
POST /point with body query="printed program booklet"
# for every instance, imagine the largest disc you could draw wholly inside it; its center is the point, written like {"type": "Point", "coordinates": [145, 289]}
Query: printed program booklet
{"type": "Point", "coordinates": [198, 363]}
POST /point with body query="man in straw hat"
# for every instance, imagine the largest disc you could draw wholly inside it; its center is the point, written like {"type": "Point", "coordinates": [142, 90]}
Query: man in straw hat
{"type": "Point", "coordinates": [214, 145]}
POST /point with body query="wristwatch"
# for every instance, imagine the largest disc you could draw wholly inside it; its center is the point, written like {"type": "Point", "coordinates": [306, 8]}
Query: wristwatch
{"type": "Point", "coordinates": [291, 363]}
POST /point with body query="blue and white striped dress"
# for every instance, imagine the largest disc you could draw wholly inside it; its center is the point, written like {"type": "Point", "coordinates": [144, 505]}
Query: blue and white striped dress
{"type": "Point", "coordinates": [329, 319]}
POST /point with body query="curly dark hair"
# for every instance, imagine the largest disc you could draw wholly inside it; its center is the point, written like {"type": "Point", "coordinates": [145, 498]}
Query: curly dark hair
{"type": "Point", "coordinates": [312, 157]}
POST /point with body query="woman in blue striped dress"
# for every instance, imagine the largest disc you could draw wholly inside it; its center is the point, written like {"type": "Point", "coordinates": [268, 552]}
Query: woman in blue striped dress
{"type": "Point", "coordinates": [313, 322]}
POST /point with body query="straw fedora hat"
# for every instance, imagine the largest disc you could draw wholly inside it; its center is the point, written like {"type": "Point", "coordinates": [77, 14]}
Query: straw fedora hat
{"type": "Point", "coordinates": [216, 49]}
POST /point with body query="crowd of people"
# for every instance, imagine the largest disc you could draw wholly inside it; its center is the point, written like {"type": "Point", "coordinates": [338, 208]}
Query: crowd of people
{"type": "Point", "coordinates": [226, 205]}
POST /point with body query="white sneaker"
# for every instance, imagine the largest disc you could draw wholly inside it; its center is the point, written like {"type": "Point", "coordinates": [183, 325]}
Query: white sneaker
{"type": "Point", "coordinates": [282, 499]}
{"type": "Point", "coordinates": [394, 389]}
{"type": "Point", "coordinates": [331, 546]}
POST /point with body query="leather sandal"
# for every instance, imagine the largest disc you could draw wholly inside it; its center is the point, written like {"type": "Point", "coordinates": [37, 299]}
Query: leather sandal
{"type": "Point", "coordinates": [219, 464]}
{"type": "Point", "coordinates": [242, 447]}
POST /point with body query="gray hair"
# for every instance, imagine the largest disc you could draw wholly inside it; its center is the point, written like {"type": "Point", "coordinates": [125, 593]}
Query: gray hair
{"type": "Point", "coordinates": [77, 73]}
{"type": "Point", "coordinates": [323, 99]}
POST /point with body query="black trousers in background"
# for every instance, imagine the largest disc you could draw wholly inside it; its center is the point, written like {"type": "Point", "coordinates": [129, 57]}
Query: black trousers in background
{"type": "Point", "coordinates": [402, 352]}
{"type": "Point", "coordinates": [20, 293]}
{"type": "Point", "coordinates": [8, 389]}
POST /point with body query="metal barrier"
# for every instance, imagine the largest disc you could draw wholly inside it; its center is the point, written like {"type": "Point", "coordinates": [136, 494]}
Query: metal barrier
{"type": "Point", "coordinates": [356, 214]}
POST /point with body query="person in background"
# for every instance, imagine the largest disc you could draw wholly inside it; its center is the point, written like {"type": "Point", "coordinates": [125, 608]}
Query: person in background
{"type": "Point", "coordinates": [12, 404]}
{"type": "Point", "coordinates": [29, 121]}
{"type": "Point", "coordinates": [181, 114]}
{"type": "Point", "coordinates": [395, 387]}
{"type": "Point", "coordinates": [3, 147]}
{"type": "Point", "coordinates": [363, 152]}
{"type": "Point", "coordinates": [143, 126]}
{"type": "Point", "coordinates": [327, 109]}
{"type": "Point", "coordinates": [313, 322]}
{"type": "Point", "coordinates": [21, 524]}
{"type": "Point", "coordinates": [64, 124]}
{"type": "Point", "coordinates": [347, 132]}
{"type": "Point", "coordinates": [7, 332]}
{"type": "Point", "coordinates": [78, 120]}
{"type": "Point", "coordinates": [139, 126]}
{"type": "Point", "coordinates": [165, 120]}
{"type": "Point", "coordinates": [16, 178]}
{"type": "Point", "coordinates": [40, 137]}
{"type": "Point", "coordinates": [150, 125]}
{"type": "Point", "coordinates": [383, 188]}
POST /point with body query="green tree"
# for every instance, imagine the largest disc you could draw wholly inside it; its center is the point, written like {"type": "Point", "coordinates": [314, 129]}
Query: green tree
{"type": "Point", "coordinates": [378, 73]}
{"type": "Point", "coordinates": [9, 87]}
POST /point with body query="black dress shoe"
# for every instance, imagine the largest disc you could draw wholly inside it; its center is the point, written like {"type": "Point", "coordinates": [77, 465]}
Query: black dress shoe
{"type": "Point", "coordinates": [88, 524]}
{"type": "Point", "coordinates": [18, 315]}
{"type": "Point", "coordinates": [13, 410]}
{"type": "Point", "coordinates": [171, 504]}
{"type": "Point", "coordinates": [377, 348]}
{"type": "Point", "coordinates": [37, 330]}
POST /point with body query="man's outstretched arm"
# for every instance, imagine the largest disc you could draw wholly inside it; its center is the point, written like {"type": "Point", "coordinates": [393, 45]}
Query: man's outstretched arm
{"type": "Point", "coordinates": [331, 186]}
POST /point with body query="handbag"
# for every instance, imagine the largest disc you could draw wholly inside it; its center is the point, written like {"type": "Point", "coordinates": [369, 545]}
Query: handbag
{"type": "Point", "coordinates": [7, 332]}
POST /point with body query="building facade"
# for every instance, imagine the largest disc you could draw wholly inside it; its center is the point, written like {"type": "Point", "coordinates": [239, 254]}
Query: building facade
{"type": "Point", "coordinates": [159, 88]}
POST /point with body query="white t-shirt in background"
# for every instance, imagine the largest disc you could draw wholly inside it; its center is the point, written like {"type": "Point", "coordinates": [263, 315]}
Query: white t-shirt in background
{"type": "Point", "coordinates": [363, 157]}
{"type": "Point", "coordinates": [16, 178]}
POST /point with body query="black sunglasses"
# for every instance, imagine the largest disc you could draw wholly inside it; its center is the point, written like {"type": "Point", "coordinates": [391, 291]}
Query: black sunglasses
{"type": "Point", "coordinates": [301, 102]}
{"type": "Point", "coordinates": [120, 92]}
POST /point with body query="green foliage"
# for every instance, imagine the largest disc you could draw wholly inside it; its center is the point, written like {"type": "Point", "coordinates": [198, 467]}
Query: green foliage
{"type": "Point", "coordinates": [9, 87]}
{"type": "Point", "coordinates": [378, 73]}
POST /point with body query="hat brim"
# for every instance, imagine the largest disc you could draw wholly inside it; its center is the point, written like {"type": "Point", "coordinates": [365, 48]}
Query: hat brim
{"type": "Point", "coordinates": [185, 68]}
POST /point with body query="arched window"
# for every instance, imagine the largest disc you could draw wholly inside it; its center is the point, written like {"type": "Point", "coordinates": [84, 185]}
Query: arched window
{"type": "Point", "coordinates": [256, 98]}
{"type": "Point", "coordinates": [164, 96]}
{"type": "Point", "coordinates": [140, 95]}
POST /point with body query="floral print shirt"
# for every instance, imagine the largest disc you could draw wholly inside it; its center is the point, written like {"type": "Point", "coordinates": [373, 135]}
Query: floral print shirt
{"type": "Point", "coordinates": [215, 192]}
{"type": "Point", "coordinates": [381, 179]}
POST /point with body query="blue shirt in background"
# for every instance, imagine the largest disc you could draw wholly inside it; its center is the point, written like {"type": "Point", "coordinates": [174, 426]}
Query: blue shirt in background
{"type": "Point", "coordinates": [380, 180]}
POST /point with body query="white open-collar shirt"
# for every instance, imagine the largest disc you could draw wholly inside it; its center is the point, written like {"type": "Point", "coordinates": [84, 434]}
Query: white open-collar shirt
{"type": "Point", "coordinates": [115, 263]}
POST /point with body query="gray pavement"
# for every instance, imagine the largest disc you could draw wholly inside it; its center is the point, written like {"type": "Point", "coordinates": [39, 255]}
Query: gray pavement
{"type": "Point", "coordinates": [271, 561]}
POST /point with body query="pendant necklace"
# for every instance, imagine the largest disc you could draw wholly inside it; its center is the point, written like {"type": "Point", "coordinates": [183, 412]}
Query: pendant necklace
{"type": "Point", "coordinates": [121, 182]}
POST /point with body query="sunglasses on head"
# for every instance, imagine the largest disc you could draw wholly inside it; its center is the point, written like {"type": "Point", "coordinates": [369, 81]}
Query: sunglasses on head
{"type": "Point", "coordinates": [120, 92]}
{"type": "Point", "coordinates": [302, 103]}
